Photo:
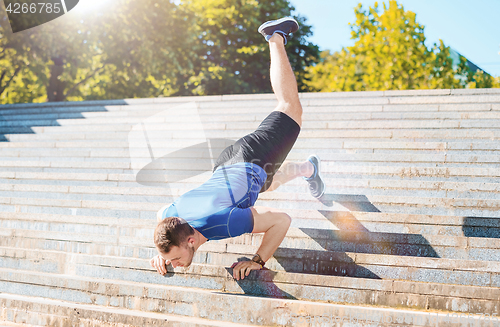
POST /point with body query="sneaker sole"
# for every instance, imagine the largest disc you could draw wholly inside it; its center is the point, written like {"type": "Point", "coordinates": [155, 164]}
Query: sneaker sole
{"type": "Point", "coordinates": [319, 174]}
{"type": "Point", "coordinates": [276, 22]}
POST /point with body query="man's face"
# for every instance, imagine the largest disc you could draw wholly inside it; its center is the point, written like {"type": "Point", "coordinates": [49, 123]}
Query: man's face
{"type": "Point", "coordinates": [180, 256]}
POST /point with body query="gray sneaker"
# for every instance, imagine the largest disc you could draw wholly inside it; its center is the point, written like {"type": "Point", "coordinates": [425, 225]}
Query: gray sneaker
{"type": "Point", "coordinates": [283, 26]}
{"type": "Point", "coordinates": [316, 185]}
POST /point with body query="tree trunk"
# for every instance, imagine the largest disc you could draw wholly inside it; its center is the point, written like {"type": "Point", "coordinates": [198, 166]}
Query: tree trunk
{"type": "Point", "coordinates": [55, 90]}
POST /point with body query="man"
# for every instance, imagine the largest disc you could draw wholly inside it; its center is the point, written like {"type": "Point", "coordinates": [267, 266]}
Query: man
{"type": "Point", "coordinates": [223, 206]}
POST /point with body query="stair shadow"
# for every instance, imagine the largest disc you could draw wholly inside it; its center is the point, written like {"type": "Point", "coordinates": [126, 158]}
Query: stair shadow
{"type": "Point", "coordinates": [481, 227]}
{"type": "Point", "coordinates": [25, 126]}
{"type": "Point", "coordinates": [257, 283]}
{"type": "Point", "coordinates": [351, 236]}
{"type": "Point", "coordinates": [351, 202]}
{"type": "Point", "coordinates": [315, 262]}
{"type": "Point", "coordinates": [260, 283]}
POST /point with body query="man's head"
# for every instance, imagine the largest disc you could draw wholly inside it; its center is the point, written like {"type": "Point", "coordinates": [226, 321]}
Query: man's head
{"type": "Point", "coordinates": [174, 239]}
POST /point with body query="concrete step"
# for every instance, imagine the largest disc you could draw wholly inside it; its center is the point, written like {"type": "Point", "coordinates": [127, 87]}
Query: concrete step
{"type": "Point", "coordinates": [367, 186]}
{"type": "Point", "coordinates": [343, 98]}
{"type": "Point", "coordinates": [23, 310]}
{"type": "Point", "coordinates": [302, 143]}
{"type": "Point", "coordinates": [348, 195]}
{"type": "Point", "coordinates": [387, 113]}
{"type": "Point", "coordinates": [277, 294]}
{"type": "Point", "coordinates": [328, 220]}
{"type": "Point", "coordinates": [358, 199]}
{"type": "Point", "coordinates": [145, 211]}
{"type": "Point", "coordinates": [341, 104]}
{"type": "Point", "coordinates": [380, 203]}
{"type": "Point", "coordinates": [137, 206]}
{"type": "Point", "coordinates": [475, 239]}
{"type": "Point", "coordinates": [187, 124]}
{"type": "Point", "coordinates": [247, 118]}
{"type": "Point", "coordinates": [386, 170]}
{"type": "Point", "coordinates": [350, 151]}
{"type": "Point", "coordinates": [205, 158]}
{"type": "Point", "coordinates": [13, 324]}
{"type": "Point", "coordinates": [302, 241]}
{"type": "Point", "coordinates": [418, 135]}
{"type": "Point", "coordinates": [162, 100]}
{"type": "Point", "coordinates": [291, 260]}
{"type": "Point", "coordinates": [413, 181]}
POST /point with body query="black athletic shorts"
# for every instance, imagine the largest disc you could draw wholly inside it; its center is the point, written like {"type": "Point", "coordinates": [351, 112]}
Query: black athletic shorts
{"type": "Point", "coordinates": [267, 147]}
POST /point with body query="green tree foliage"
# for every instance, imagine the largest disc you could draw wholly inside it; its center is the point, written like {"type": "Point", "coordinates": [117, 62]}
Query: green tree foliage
{"type": "Point", "coordinates": [232, 56]}
{"type": "Point", "coordinates": [146, 48]}
{"type": "Point", "coordinates": [389, 54]}
{"type": "Point", "coordinates": [119, 52]}
{"type": "Point", "coordinates": [482, 80]}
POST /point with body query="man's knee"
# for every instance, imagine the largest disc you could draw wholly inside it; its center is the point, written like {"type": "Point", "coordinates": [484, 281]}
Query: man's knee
{"type": "Point", "coordinates": [292, 106]}
{"type": "Point", "coordinates": [286, 218]}
{"type": "Point", "coordinates": [292, 109]}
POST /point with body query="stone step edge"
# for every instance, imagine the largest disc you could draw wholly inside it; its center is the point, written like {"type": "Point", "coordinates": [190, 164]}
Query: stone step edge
{"type": "Point", "coordinates": [378, 112]}
{"type": "Point", "coordinates": [439, 135]}
{"type": "Point", "coordinates": [404, 170]}
{"type": "Point", "coordinates": [237, 125]}
{"type": "Point", "coordinates": [244, 243]}
{"type": "Point", "coordinates": [246, 97]}
{"type": "Point", "coordinates": [362, 259]}
{"type": "Point", "coordinates": [370, 187]}
{"type": "Point", "coordinates": [361, 216]}
{"type": "Point", "coordinates": [5, 323]}
{"type": "Point", "coordinates": [231, 288]}
{"type": "Point", "coordinates": [453, 146]}
{"type": "Point", "coordinates": [232, 252]}
{"type": "Point", "coordinates": [401, 315]}
{"type": "Point", "coordinates": [376, 200]}
{"type": "Point", "coordinates": [293, 234]}
{"type": "Point", "coordinates": [89, 310]}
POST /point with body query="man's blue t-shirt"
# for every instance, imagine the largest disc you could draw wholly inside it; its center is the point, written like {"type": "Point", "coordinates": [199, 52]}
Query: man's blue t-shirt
{"type": "Point", "coordinates": [220, 207]}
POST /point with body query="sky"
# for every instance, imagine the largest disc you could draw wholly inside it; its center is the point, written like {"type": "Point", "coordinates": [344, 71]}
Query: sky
{"type": "Point", "coordinates": [470, 27]}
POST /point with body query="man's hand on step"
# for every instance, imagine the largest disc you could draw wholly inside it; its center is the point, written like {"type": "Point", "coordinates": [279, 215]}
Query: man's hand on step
{"type": "Point", "coordinates": [159, 264]}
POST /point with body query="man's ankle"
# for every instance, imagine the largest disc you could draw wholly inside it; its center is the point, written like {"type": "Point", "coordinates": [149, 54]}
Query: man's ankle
{"type": "Point", "coordinates": [278, 38]}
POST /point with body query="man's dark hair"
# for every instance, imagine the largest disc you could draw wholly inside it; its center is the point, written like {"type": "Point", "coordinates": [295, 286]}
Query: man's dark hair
{"type": "Point", "coordinates": [171, 231]}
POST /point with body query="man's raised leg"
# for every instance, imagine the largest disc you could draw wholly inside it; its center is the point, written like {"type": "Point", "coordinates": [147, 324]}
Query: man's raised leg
{"type": "Point", "coordinates": [285, 88]}
{"type": "Point", "coordinates": [283, 80]}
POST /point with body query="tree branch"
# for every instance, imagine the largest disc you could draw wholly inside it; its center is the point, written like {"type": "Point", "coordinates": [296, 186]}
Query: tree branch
{"type": "Point", "coordinates": [2, 77]}
{"type": "Point", "coordinates": [10, 80]}
{"type": "Point", "coordinates": [83, 81]}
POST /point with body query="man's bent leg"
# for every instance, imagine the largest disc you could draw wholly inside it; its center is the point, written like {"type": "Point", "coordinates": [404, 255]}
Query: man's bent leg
{"type": "Point", "coordinates": [283, 80]}
{"type": "Point", "coordinates": [291, 170]}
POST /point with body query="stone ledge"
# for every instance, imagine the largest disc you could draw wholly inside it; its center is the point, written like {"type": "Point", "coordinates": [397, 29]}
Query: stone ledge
{"type": "Point", "coordinates": [273, 286]}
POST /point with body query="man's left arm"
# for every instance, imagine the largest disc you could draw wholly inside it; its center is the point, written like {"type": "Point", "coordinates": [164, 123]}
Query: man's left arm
{"type": "Point", "coordinates": [274, 224]}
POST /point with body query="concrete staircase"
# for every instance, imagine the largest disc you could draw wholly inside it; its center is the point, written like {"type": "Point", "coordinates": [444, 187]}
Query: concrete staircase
{"type": "Point", "coordinates": [407, 233]}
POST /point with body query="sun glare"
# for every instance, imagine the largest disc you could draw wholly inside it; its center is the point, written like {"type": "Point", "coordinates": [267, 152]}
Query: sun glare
{"type": "Point", "coordinates": [86, 6]}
